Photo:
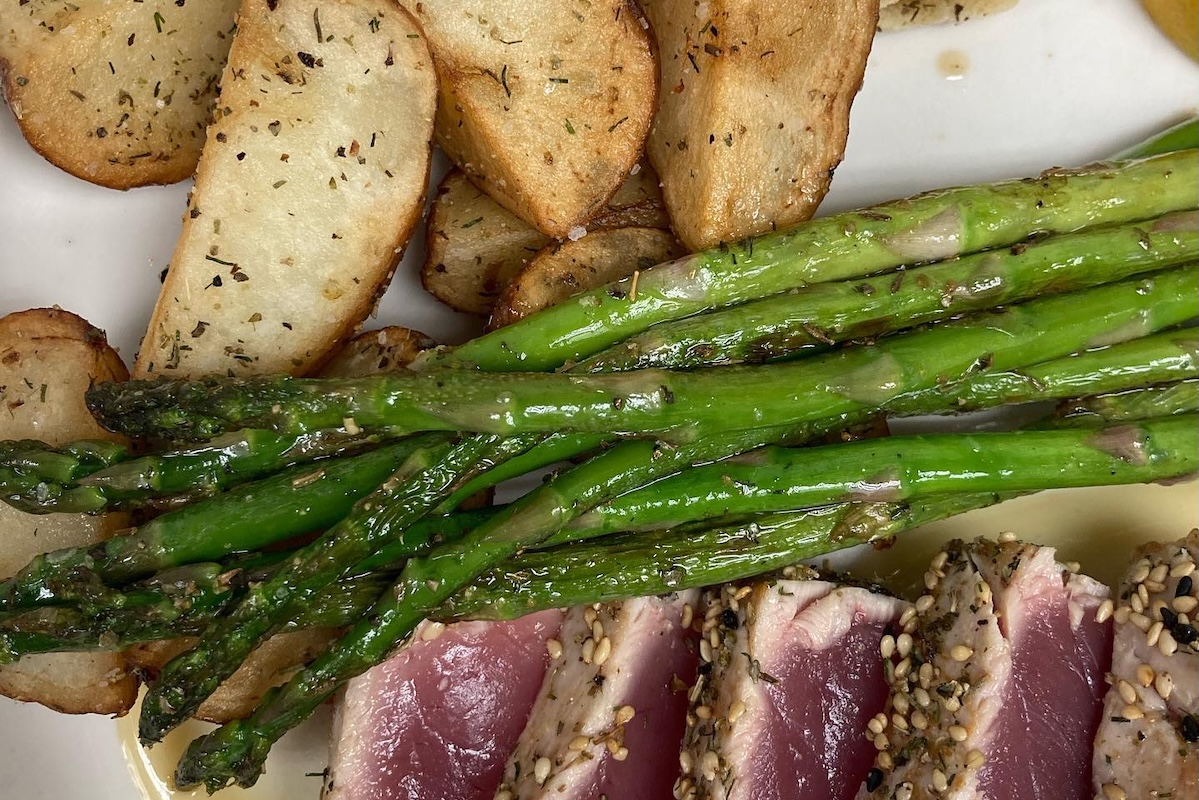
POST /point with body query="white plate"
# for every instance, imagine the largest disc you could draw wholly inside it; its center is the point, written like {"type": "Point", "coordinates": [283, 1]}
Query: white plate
{"type": "Point", "coordinates": [1053, 82]}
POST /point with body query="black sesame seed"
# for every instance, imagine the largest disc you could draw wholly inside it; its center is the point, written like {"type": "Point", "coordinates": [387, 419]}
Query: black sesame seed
{"type": "Point", "coordinates": [874, 779]}
{"type": "Point", "coordinates": [1190, 728]}
{"type": "Point", "coordinates": [704, 668]}
{"type": "Point", "coordinates": [1184, 634]}
{"type": "Point", "coordinates": [728, 618]}
{"type": "Point", "coordinates": [1184, 586]}
{"type": "Point", "coordinates": [1169, 617]}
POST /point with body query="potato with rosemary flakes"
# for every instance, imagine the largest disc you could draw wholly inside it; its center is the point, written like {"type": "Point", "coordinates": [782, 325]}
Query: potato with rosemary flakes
{"type": "Point", "coordinates": [48, 359]}
{"type": "Point", "coordinates": [545, 106]}
{"type": "Point", "coordinates": [754, 111]}
{"type": "Point", "coordinates": [116, 93]}
{"type": "Point", "coordinates": [474, 246]}
{"type": "Point", "coordinates": [312, 179]}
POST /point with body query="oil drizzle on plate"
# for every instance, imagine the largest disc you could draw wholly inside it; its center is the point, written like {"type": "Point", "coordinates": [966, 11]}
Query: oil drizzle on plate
{"type": "Point", "coordinates": [953, 64]}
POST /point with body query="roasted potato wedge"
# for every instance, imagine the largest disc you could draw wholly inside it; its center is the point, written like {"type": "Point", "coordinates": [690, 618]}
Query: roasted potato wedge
{"type": "Point", "coordinates": [48, 358]}
{"type": "Point", "coordinates": [116, 93]}
{"type": "Point", "coordinates": [896, 15]}
{"type": "Point", "coordinates": [545, 106]}
{"type": "Point", "coordinates": [563, 269]}
{"type": "Point", "coordinates": [368, 353]}
{"type": "Point", "coordinates": [473, 245]}
{"type": "Point", "coordinates": [754, 110]}
{"type": "Point", "coordinates": [299, 214]}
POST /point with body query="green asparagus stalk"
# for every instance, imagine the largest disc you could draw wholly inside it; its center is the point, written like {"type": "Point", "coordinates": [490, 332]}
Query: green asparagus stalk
{"type": "Point", "coordinates": [1183, 136]}
{"type": "Point", "coordinates": [768, 480]}
{"type": "Point", "coordinates": [301, 499]}
{"type": "Point", "coordinates": [929, 227]}
{"type": "Point", "coordinates": [162, 480]}
{"type": "Point", "coordinates": [428, 476]}
{"type": "Point", "coordinates": [679, 406]}
{"type": "Point", "coordinates": [1168, 399]}
{"type": "Point", "coordinates": [815, 317]}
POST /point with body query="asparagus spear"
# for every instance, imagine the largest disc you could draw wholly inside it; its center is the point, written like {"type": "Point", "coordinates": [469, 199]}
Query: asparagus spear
{"type": "Point", "coordinates": [1183, 136]}
{"type": "Point", "coordinates": [428, 476]}
{"type": "Point", "coordinates": [928, 227]}
{"type": "Point", "coordinates": [815, 317]}
{"type": "Point", "coordinates": [301, 499]}
{"type": "Point", "coordinates": [768, 480]}
{"type": "Point", "coordinates": [1181, 397]}
{"type": "Point", "coordinates": [680, 406]}
{"type": "Point", "coordinates": [40, 479]}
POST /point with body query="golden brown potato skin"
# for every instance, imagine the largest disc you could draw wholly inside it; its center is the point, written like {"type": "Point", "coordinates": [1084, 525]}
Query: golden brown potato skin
{"type": "Point", "coordinates": [563, 269]}
{"type": "Point", "coordinates": [545, 106]}
{"type": "Point", "coordinates": [754, 109]}
{"type": "Point", "coordinates": [48, 358]}
{"type": "Point", "coordinates": [299, 215]}
{"type": "Point", "coordinates": [474, 246]}
{"type": "Point", "coordinates": [123, 99]}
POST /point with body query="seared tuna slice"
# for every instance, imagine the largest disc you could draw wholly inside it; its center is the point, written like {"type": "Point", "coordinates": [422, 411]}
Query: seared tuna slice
{"type": "Point", "coordinates": [1148, 742]}
{"type": "Point", "coordinates": [790, 674]}
{"type": "Point", "coordinates": [438, 720]}
{"type": "Point", "coordinates": [609, 718]}
{"type": "Point", "coordinates": [996, 680]}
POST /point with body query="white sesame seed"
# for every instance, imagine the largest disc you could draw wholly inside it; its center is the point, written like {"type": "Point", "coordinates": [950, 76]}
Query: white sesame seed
{"type": "Point", "coordinates": [940, 560]}
{"type": "Point", "coordinates": [1132, 712]}
{"type": "Point", "coordinates": [1153, 587]}
{"type": "Point", "coordinates": [926, 674]}
{"type": "Point", "coordinates": [743, 592]}
{"type": "Point", "coordinates": [919, 720]}
{"type": "Point", "coordinates": [554, 648]}
{"type": "Point", "coordinates": [1145, 675]}
{"type": "Point", "coordinates": [901, 704]}
{"type": "Point", "coordinates": [1166, 644]}
{"type": "Point", "coordinates": [1140, 621]}
{"type": "Point", "coordinates": [1154, 633]}
{"type": "Point", "coordinates": [624, 714]}
{"type": "Point", "coordinates": [578, 743]}
{"type": "Point", "coordinates": [903, 668]}
{"type": "Point", "coordinates": [975, 759]}
{"type": "Point", "coordinates": [1140, 573]}
{"type": "Point", "coordinates": [602, 651]}
{"type": "Point", "coordinates": [504, 794]}
{"type": "Point", "coordinates": [903, 644]}
{"type": "Point", "coordinates": [1158, 574]}
{"type": "Point", "coordinates": [705, 650]}
{"type": "Point", "coordinates": [688, 616]}
{"type": "Point", "coordinates": [899, 722]}
{"type": "Point", "coordinates": [1127, 693]}
{"type": "Point", "coordinates": [620, 753]}
{"type": "Point", "coordinates": [1113, 792]}
{"type": "Point", "coordinates": [1007, 537]}
{"type": "Point", "coordinates": [1136, 603]}
{"type": "Point", "coordinates": [924, 603]}
{"type": "Point", "coordinates": [930, 580]}
{"type": "Point", "coordinates": [612, 745]}
{"type": "Point", "coordinates": [685, 762]}
{"type": "Point", "coordinates": [709, 765]}
{"type": "Point", "coordinates": [880, 742]}
{"type": "Point", "coordinates": [1072, 567]}
{"type": "Point", "coordinates": [922, 697]}
{"type": "Point", "coordinates": [1122, 614]}
{"type": "Point", "coordinates": [960, 652]}
{"type": "Point", "coordinates": [1164, 684]}
{"type": "Point", "coordinates": [887, 646]}
{"type": "Point", "coordinates": [703, 712]}
{"type": "Point", "coordinates": [958, 733]}
{"type": "Point", "coordinates": [541, 770]}
{"type": "Point", "coordinates": [1185, 604]}
{"type": "Point", "coordinates": [590, 616]}
{"type": "Point", "coordinates": [597, 630]}
{"type": "Point", "coordinates": [874, 726]}
{"type": "Point", "coordinates": [736, 709]}
{"type": "Point", "coordinates": [1182, 568]}
{"type": "Point", "coordinates": [903, 791]}
{"type": "Point", "coordinates": [952, 704]}
{"type": "Point", "coordinates": [940, 782]}
{"type": "Point", "coordinates": [1105, 610]}
{"type": "Point", "coordinates": [1143, 593]}
{"type": "Point", "coordinates": [907, 617]}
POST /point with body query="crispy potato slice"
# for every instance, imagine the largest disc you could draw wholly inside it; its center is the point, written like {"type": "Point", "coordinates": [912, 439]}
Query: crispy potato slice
{"type": "Point", "coordinates": [48, 358]}
{"type": "Point", "coordinates": [896, 15]}
{"type": "Point", "coordinates": [116, 93]}
{"type": "Point", "coordinates": [754, 110]}
{"type": "Point", "coordinates": [473, 245]}
{"type": "Point", "coordinates": [368, 353]}
{"type": "Point", "coordinates": [544, 106]}
{"type": "Point", "coordinates": [563, 269]}
{"type": "Point", "coordinates": [300, 212]}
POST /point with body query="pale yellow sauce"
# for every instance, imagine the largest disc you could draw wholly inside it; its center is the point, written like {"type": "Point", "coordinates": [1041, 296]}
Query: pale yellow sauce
{"type": "Point", "coordinates": [952, 64]}
{"type": "Point", "coordinates": [1097, 527]}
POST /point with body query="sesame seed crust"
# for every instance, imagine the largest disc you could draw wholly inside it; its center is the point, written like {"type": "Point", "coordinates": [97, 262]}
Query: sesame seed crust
{"type": "Point", "coordinates": [1148, 743]}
